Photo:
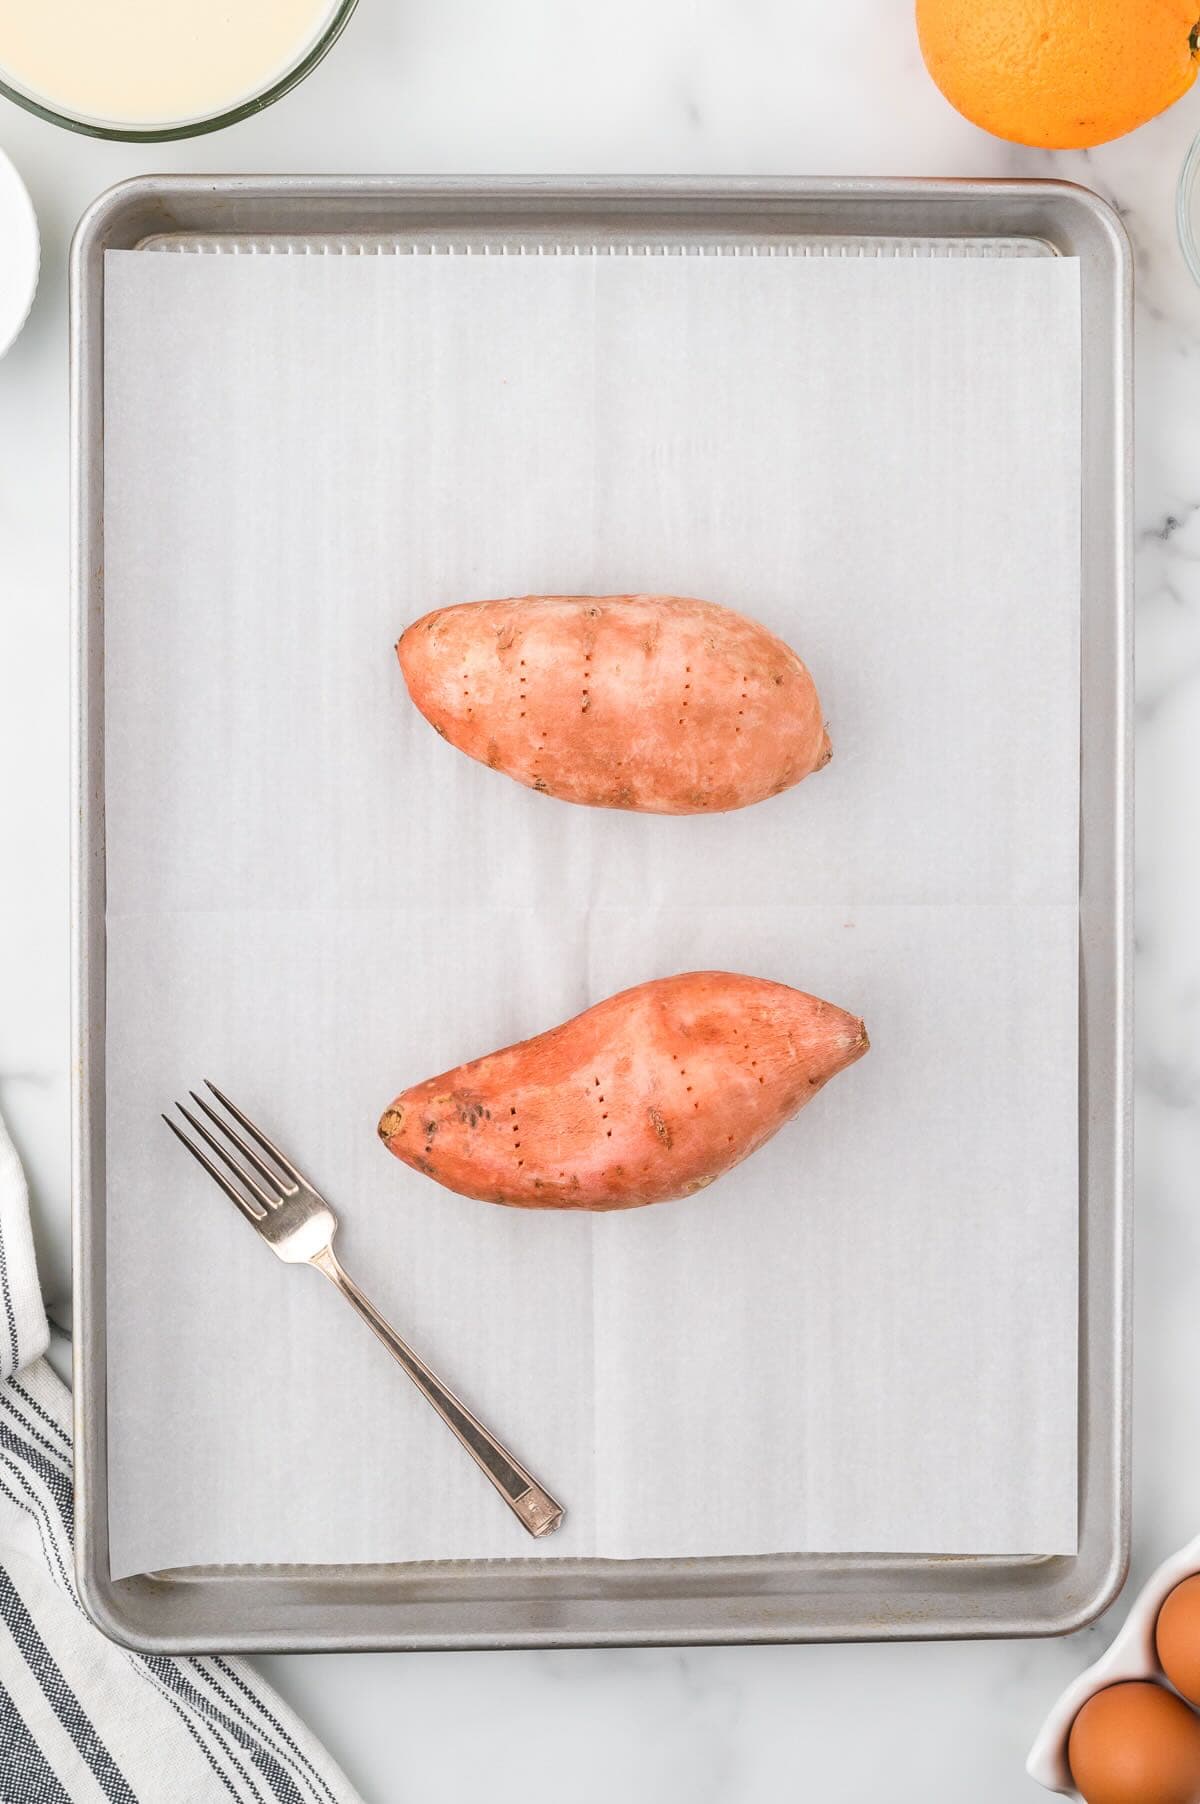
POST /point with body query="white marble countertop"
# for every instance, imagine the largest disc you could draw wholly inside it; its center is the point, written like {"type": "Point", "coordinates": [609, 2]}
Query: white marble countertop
{"type": "Point", "coordinates": [698, 86]}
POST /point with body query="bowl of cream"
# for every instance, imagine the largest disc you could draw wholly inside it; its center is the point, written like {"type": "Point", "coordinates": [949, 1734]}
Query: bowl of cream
{"type": "Point", "coordinates": [158, 69]}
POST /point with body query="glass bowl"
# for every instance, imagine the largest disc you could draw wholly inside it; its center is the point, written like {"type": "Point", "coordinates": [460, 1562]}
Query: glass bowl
{"type": "Point", "coordinates": [161, 133]}
{"type": "Point", "coordinates": [1187, 209]}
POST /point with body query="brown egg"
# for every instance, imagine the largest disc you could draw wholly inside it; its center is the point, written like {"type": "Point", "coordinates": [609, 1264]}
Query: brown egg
{"type": "Point", "coordinates": [1178, 1638]}
{"type": "Point", "coordinates": [1136, 1744]}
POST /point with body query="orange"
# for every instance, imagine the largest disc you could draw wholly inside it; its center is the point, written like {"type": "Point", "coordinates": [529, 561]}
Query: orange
{"type": "Point", "coordinates": [1060, 74]}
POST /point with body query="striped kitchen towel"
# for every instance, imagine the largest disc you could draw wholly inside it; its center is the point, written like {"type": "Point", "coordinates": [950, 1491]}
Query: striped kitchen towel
{"type": "Point", "coordinates": [83, 1721]}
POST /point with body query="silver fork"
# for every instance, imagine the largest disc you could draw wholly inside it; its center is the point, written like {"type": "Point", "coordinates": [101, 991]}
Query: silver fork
{"type": "Point", "coordinates": [298, 1225]}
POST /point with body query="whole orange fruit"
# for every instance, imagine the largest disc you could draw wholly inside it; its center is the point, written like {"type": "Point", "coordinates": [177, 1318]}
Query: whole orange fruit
{"type": "Point", "coordinates": [1060, 74]}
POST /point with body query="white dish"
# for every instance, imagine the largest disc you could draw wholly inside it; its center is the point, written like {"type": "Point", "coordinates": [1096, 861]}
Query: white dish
{"type": "Point", "coordinates": [1132, 1656]}
{"type": "Point", "coordinates": [20, 253]}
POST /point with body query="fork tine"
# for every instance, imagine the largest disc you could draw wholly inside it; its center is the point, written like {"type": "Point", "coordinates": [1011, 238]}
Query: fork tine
{"type": "Point", "coordinates": [256, 1133]}
{"type": "Point", "coordinates": [218, 1177]}
{"type": "Point", "coordinates": [248, 1153]}
{"type": "Point", "coordinates": [252, 1185]}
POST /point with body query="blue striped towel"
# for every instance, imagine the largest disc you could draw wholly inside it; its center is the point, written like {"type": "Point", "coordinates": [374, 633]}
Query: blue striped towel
{"type": "Point", "coordinates": [83, 1721]}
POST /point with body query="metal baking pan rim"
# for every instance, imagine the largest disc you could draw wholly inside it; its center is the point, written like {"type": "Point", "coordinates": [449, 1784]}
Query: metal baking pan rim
{"type": "Point", "coordinates": [262, 1609]}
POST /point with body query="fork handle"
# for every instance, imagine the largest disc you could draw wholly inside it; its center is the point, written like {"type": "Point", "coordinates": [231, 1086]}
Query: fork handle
{"type": "Point", "coordinates": [529, 1502]}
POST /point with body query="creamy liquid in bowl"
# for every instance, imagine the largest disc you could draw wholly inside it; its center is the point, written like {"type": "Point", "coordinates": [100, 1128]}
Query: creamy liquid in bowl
{"type": "Point", "coordinates": [153, 63]}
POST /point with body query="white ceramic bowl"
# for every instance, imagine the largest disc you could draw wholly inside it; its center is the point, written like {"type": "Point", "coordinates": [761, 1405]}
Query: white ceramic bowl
{"type": "Point", "coordinates": [20, 253]}
{"type": "Point", "coordinates": [1131, 1656]}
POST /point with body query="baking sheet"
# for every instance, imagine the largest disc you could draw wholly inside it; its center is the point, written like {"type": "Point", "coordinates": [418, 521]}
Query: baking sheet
{"type": "Point", "coordinates": [872, 1324]}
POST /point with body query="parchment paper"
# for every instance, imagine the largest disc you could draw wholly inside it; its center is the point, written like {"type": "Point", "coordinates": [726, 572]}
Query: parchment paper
{"type": "Point", "coordinates": [865, 1338]}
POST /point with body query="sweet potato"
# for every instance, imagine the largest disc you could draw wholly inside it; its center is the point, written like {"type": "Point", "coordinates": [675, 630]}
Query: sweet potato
{"type": "Point", "coordinates": [648, 702]}
{"type": "Point", "coordinates": [647, 1096]}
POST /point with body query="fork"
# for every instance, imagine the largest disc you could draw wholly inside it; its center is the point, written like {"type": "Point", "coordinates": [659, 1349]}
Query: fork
{"type": "Point", "coordinates": [298, 1225]}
